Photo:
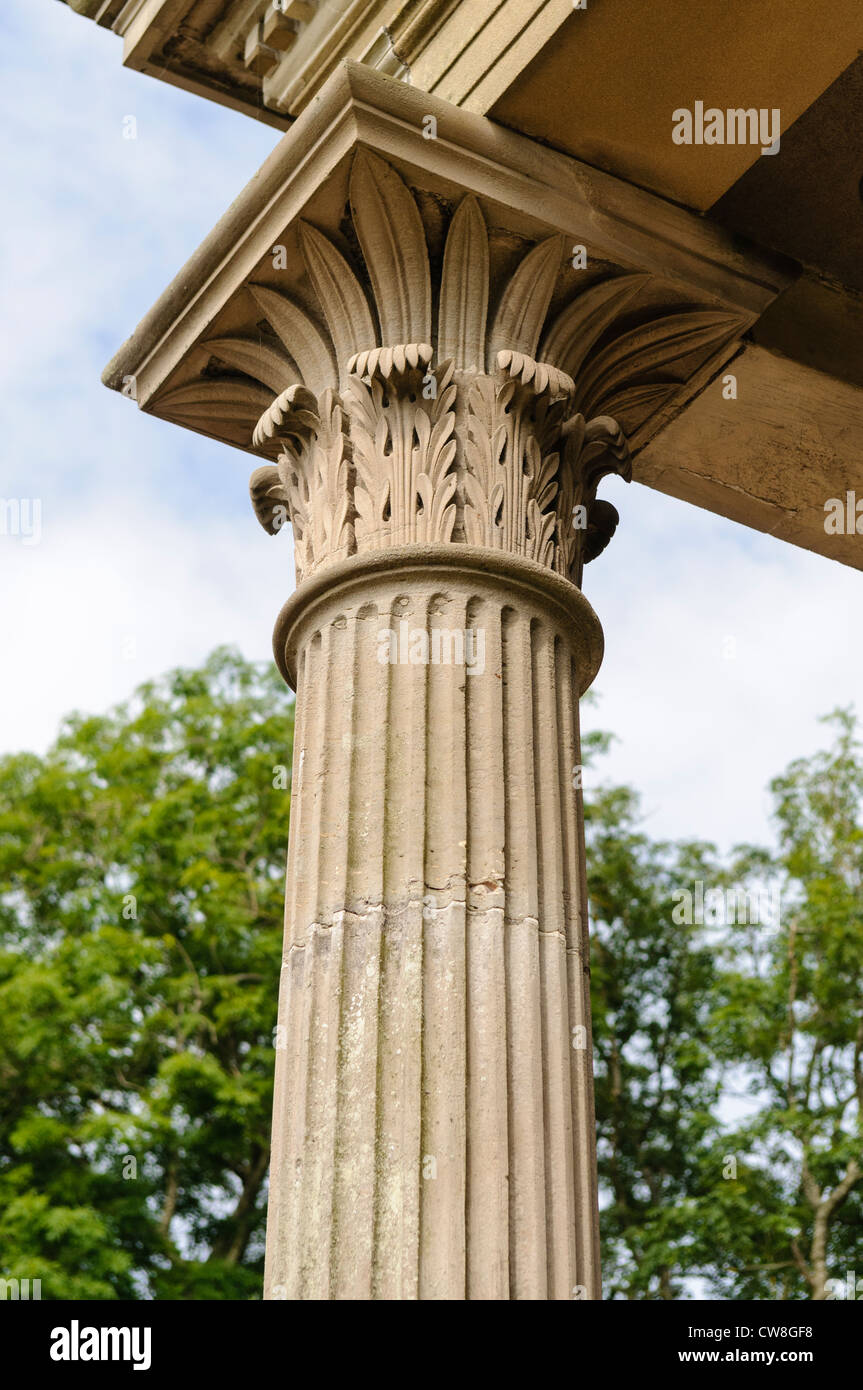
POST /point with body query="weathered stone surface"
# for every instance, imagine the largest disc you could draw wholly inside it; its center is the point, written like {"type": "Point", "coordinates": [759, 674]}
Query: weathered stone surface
{"type": "Point", "coordinates": [433, 1130]}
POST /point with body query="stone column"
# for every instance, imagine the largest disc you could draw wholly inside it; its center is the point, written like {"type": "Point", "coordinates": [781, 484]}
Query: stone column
{"type": "Point", "coordinates": [433, 1132]}
{"type": "Point", "coordinates": [436, 336]}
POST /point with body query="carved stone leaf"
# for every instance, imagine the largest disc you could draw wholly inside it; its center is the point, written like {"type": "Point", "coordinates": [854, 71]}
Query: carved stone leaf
{"type": "Point", "coordinates": [330, 498]}
{"type": "Point", "coordinates": [565, 534]}
{"type": "Point", "coordinates": [481, 457]}
{"type": "Point", "coordinates": [268, 497]}
{"type": "Point", "coordinates": [371, 508]}
{"type": "Point", "coordinates": [577, 327]}
{"type": "Point", "coordinates": [651, 348]}
{"type": "Point", "coordinates": [539, 543]}
{"type": "Point", "coordinates": [311, 475]}
{"type": "Point", "coordinates": [433, 458]}
{"type": "Point", "coordinates": [382, 436]}
{"type": "Point", "coordinates": [545, 482]}
{"type": "Point", "coordinates": [436, 517]}
{"type": "Point", "coordinates": [369, 435]}
{"type": "Point", "coordinates": [496, 502]}
{"type": "Point", "coordinates": [295, 484]}
{"type": "Point", "coordinates": [635, 404]}
{"type": "Point", "coordinates": [292, 415]}
{"type": "Point", "coordinates": [301, 337]}
{"type": "Point", "coordinates": [513, 457]}
{"type": "Point", "coordinates": [222, 398]}
{"type": "Point", "coordinates": [393, 242]}
{"type": "Point", "coordinates": [544, 377]}
{"type": "Point", "coordinates": [591, 451]}
{"type": "Point", "coordinates": [403, 450]}
{"type": "Point", "coordinates": [440, 450]}
{"type": "Point", "coordinates": [259, 360]}
{"type": "Point", "coordinates": [444, 510]}
{"type": "Point", "coordinates": [362, 407]}
{"type": "Point", "coordinates": [524, 305]}
{"type": "Point", "coordinates": [478, 524]}
{"type": "Point", "coordinates": [342, 299]}
{"type": "Point", "coordinates": [464, 289]}
{"type": "Point", "coordinates": [380, 362]}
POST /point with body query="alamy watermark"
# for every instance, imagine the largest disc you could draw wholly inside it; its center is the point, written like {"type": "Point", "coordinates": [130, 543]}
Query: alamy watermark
{"type": "Point", "coordinates": [723, 907]}
{"type": "Point", "coordinates": [20, 1289]}
{"type": "Point", "coordinates": [77, 1343]}
{"type": "Point", "coordinates": [441, 646]}
{"type": "Point", "coordinates": [844, 516]}
{"type": "Point", "coordinates": [848, 1288]}
{"type": "Point", "coordinates": [21, 516]}
{"type": "Point", "coordinates": [737, 125]}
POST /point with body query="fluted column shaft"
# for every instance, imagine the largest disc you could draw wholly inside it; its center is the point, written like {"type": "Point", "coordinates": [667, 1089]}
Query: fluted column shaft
{"type": "Point", "coordinates": [433, 1127]}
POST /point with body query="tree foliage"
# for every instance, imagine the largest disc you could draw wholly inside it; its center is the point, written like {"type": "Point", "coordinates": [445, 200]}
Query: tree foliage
{"type": "Point", "coordinates": [142, 871]}
{"type": "Point", "coordinates": [729, 1052]}
{"type": "Point", "coordinates": [142, 861]}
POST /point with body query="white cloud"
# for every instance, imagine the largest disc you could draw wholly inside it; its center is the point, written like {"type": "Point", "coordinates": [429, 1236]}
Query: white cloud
{"type": "Point", "coordinates": [723, 647]}
{"type": "Point", "coordinates": [147, 531]}
{"type": "Point", "coordinates": [99, 606]}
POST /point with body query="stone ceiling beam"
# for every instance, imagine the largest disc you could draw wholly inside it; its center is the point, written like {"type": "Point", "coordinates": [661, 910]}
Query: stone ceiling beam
{"type": "Point", "coordinates": [620, 68]}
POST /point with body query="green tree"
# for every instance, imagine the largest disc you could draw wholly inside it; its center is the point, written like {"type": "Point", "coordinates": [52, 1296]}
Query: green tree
{"type": "Point", "coordinates": [657, 1085]}
{"type": "Point", "coordinates": [790, 1021]}
{"type": "Point", "coordinates": [142, 863]}
{"type": "Point", "coordinates": [142, 866]}
{"type": "Point", "coordinates": [729, 1053]}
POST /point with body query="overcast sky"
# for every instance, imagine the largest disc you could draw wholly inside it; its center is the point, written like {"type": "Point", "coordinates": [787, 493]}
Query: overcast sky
{"type": "Point", "coordinates": [722, 646]}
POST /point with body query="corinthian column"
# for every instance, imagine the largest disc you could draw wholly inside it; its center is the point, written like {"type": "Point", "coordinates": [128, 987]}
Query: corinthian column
{"type": "Point", "coordinates": [433, 1132]}
{"type": "Point", "coordinates": [436, 337]}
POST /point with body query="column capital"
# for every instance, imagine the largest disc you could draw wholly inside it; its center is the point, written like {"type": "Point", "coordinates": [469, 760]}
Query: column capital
{"type": "Point", "coordinates": [430, 330]}
{"type": "Point", "coordinates": [480, 439]}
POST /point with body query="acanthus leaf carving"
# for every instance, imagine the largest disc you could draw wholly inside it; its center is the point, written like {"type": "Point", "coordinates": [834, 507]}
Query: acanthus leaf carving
{"type": "Point", "coordinates": [395, 423]}
{"type": "Point", "coordinates": [514, 423]}
{"type": "Point", "coordinates": [292, 416]}
{"type": "Point", "coordinates": [343, 301]}
{"type": "Point", "coordinates": [592, 450]}
{"type": "Point", "coordinates": [307, 345]}
{"type": "Point", "coordinates": [574, 331]}
{"type": "Point", "coordinates": [522, 309]}
{"type": "Point", "coordinates": [266, 363]}
{"type": "Point", "coordinates": [269, 498]}
{"type": "Point", "coordinates": [235, 399]}
{"type": "Point", "coordinates": [311, 477]}
{"type": "Point", "coordinates": [393, 242]}
{"type": "Point", "coordinates": [403, 447]}
{"type": "Point", "coordinates": [463, 307]}
{"type": "Point", "coordinates": [637, 356]}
